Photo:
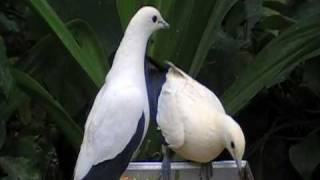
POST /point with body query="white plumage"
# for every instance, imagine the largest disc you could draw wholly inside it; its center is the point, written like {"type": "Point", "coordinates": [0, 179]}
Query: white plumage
{"type": "Point", "coordinates": [120, 104]}
{"type": "Point", "coordinates": [193, 120]}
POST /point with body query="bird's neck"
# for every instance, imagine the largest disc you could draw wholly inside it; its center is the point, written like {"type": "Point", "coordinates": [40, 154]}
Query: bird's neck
{"type": "Point", "coordinates": [225, 125]}
{"type": "Point", "coordinates": [129, 58]}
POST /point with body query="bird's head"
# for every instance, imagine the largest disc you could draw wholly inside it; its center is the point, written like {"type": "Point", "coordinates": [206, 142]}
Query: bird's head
{"type": "Point", "coordinates": [234, 140]}
{"type": "Point", "coordinates": [149, 20]}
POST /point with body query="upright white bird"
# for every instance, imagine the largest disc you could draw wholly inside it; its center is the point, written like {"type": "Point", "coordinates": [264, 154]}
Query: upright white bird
{"type": "Point", "coordinates": [119, 118]}
{"type": "Point", "coordinates": [192, 120]}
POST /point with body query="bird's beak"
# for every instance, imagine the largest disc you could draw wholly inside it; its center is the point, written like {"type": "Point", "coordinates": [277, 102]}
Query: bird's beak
{"type": "Point", "coordinates": [164, 24]}
{"type": "Point", "coordinates": [239, 165]}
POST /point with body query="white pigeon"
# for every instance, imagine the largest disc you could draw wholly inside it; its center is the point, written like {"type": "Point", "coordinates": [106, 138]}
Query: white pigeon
{"type": "Point", "coordinates": [119, 118]}
{"type": "Point", "coordinates": [191, 118]}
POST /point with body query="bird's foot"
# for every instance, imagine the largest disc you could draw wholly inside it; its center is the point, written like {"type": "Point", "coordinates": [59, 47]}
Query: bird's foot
{"type": "Point", "coordinates": [206, 171]}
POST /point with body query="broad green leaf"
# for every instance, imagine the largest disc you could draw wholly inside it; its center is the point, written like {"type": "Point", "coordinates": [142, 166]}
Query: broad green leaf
{"type": "Point", "coordinates": [169, 44]}
{"type": "Point", "coordinates": [278, 6]}
{"type": "Point", "coordinates": [62, 119]}
{"type": "Point", "coordinates": [187, 21]}
{"type": "Point", "coordinates": [295, 45]}
{"type": "Point", "coordinates": [305, 156]}
{"type": "Point", "coordinates": [6, 81]}
{"type": "Point", "coordinates": [84, 35]}
{"type": "Point", "coordinates": [276, 22]}
{"type": "Point", "coordinates": [218, 12]}
{"type": "Point", "coordinates": [101, 15]}
{"type": "Point", "coordinates": [61, 31]}
{"type": "Point", "coordinates": [19, 168]}
{"type": "Point", "coordinates": [89, 44]}
{"type": "Point", "coordinates": [50, 67]}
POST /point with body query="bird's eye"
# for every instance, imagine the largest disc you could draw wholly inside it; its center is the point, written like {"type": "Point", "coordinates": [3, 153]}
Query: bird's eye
{"type": "Point", "coordinates": [154, 19]}
{"type": "Point", "coordinates": [232, 144]}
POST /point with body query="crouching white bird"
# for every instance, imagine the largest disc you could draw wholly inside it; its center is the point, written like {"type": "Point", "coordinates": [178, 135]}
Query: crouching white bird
{"type": "Point", "coordinates": [191, 118]}
{"type": "Point", "coordinates": [119, 118]}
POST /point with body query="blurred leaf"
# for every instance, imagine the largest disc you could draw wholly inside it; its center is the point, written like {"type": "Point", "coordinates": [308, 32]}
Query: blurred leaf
{"type": "Point", "coordinates": [218, 12]}
{"type": "Point", "coordinates": [170, 44]}
{"type": "Point", "coordinates": [62, 76]}
{"type": "Point", "coordinates": [84, 35]}
{"type": "Point", "coordinates": [295, 45]}
{"type": "Point", "coordinates": [278, 6]}
{"type": "Point", "coordinates": [276, 22]}
{"type": "Point", "coordinates": [6, 80]}
{"type": "Point", "coordinates": [62, 119]}
{"type": "Point", "coordinates": [305, 9]}
{"type": "Point", "coordinates": [225, 61]}
{"type": "Point", "coordinates": [235, 17]}
{"type": "Point", "coordinates": [96, 73]}
{"type": "Point", "coordinates": [305, 156]}
{"type": "Point", "coordinates": [187, 20]}
{"type": "Point", "coordinates": [101, 15]}
{"type": "Point", "coordinates": [254, 11]}
{"type": "Point", "coordinates": [19, 168]}
{"type": "Point", "coordinates": [89, 44]}
{"type": "Point", "coordinates": [311, 77]}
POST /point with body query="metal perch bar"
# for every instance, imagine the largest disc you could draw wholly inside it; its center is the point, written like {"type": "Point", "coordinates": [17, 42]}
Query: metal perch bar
{"type": "Point", "coordinates": [222, 170]}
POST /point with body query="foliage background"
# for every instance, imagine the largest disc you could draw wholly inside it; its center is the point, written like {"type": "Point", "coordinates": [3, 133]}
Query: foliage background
{"type": "Point", "coordinates": [251, 53]}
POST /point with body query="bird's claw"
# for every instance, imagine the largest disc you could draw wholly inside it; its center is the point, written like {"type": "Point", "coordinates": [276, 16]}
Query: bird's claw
{"type": "Point", "coordinates": [206, 171]}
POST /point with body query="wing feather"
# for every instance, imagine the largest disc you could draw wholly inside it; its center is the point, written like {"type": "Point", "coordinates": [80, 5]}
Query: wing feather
{"type": "Point", "coordinates": [111, 124]}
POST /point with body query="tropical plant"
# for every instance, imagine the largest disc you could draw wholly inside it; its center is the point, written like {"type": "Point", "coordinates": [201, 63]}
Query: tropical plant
{"type": "Point", "coordinates": [54, 57]}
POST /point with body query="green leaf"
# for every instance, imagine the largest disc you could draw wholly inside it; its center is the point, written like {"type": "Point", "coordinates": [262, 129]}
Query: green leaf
{"type": "Point", "coordinates": [276, 22]}
{"type": "Point", "coordinates": [276, 5]}
{"type": "Point", "coordinates": [170, 44]}
{"type": "Point", "coordinates": [218, 12]}
{"type": "Point", "coordinates": [84, 35]}
{"type": "Point", "coordinates": [305, 156]}
{"type": "Point", "coordinates": [19, 168]}
{"type": "Point", "coordinates": [295, 45]}
{"type": "Point", "coordinates": [6, 81]}
{"type": "Point", "coordinates": [62, 119]}
{"type": "Point", "coordinates": [61, 31]}
{"type": "Point", "coordinates": [89, 44]}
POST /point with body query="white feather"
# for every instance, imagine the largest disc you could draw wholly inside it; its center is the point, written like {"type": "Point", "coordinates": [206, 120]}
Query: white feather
{"type": "Point", "coordinates": [110, 126]}
{"type": "Point", "coordinates": [188, 116]}
{"type": "Point", "coordinates": [123, 99]}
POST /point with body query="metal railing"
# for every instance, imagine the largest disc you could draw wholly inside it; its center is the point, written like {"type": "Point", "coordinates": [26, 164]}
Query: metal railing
{"type": "Point", "coordinates": [222, 170]}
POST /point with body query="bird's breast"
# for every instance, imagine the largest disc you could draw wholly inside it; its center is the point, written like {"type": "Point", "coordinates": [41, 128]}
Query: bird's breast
{"type": "Point", "coordinates": [200, 143]}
